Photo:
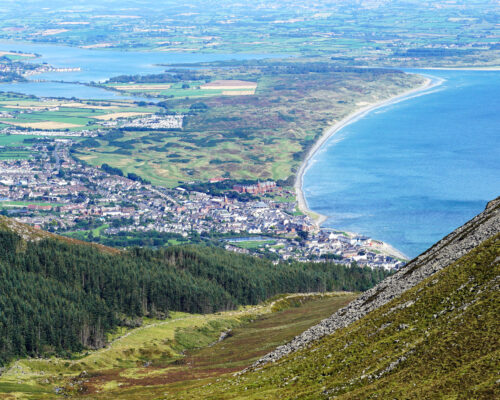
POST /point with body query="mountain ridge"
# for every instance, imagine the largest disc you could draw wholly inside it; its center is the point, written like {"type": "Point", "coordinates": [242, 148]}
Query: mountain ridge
{"type": "Point", "coordinates": [448, 250]}
{"type": "Point", "coordinates": [431, 331]}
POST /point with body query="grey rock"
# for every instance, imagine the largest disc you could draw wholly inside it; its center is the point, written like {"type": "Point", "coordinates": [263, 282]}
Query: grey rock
{"type": "Point", "coordinates": [442, 254]}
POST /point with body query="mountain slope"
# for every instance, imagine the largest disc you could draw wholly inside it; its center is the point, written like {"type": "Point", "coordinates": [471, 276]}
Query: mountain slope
{"type": "Point", "coordinates": [58, 296]}
{"type": "Point", "coordinates": [30, 234]}
{"type": "Point", "coordinates": [442, 254]}
{"type": "Point", "coordinates": [430, 331]}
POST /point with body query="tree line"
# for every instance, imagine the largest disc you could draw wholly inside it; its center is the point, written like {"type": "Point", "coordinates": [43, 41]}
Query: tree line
{"type": "Point", "coordinates": [59, 297]}
{"type": "Point", "coordinates": [168, 76]}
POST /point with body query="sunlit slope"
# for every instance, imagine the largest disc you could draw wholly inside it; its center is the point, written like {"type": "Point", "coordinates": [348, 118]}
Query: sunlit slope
{"type": "Point", "coordinates": [178, 352]}
{"type": "Point", "coordinates": [439, 339]}
{"type": "Point", "coordinates": [28, 233]}
{"type": "Point", "coordinates": [429, 331]}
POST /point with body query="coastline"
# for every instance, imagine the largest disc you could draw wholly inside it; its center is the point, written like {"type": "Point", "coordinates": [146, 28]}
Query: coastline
{"type": "Point", "coordinates": [463, 69]}
{"type": "Point", "coordinates": [319, 219]}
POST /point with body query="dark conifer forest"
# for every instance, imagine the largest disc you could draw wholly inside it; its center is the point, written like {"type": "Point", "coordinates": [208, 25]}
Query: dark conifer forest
{"type": "Point", "coordinates": [58, 297]}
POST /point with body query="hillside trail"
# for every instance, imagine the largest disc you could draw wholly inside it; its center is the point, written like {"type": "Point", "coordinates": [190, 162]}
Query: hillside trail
{"type": "Point", "coordinates": [257, 310]}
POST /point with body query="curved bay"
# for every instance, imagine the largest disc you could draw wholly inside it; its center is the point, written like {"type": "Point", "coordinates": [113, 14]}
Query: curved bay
{"type": "Point", "coordinates": [411, 172]}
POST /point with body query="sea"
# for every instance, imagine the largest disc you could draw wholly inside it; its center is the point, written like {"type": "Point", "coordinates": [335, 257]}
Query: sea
{"type": "Point", "coordinates": [411, 172]}
{"type": "Point", "coordinates": [407, 173]}
{"type": "Point", "coordinates": [98, 66]}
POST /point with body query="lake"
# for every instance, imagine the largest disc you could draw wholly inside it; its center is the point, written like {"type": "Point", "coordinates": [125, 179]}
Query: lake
{"type": "Point", "coordinates": [411, 172]}
{"type": "Point", "coordinates": [99, 65]}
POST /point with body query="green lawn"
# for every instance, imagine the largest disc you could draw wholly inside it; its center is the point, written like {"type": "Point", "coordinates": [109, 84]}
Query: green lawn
{"type": "Point", "coordinates": [15, 140]}
{"type": "Point", "coordinates": [251, 245]}
{"type": "Point", "coordinates": [22, 204]}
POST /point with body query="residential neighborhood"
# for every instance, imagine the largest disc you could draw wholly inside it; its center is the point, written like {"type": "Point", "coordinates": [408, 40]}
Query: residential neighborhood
{"type": "Point", "coordinates": [152, 122]}
{"type": "Point", "coordinates": [53, 191]}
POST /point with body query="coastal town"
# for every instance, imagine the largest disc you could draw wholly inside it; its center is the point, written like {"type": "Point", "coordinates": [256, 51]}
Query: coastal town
{"type": "Point", "coordinates": [55, 192]}
{"type": "Point", "coordinates": [152, 122]}
{"type": "Point", "coordinates": [12, 68]}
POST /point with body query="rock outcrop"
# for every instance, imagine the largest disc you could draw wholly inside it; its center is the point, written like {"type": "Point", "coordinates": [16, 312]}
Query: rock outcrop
{"type": "Point", "coordinates": [442, 254]}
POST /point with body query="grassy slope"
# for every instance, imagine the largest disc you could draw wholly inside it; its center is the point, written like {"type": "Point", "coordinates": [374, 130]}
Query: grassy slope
{"type": "Point", "coordinates": [438, 340]}
{"type": "Point", "coordinates": [260, 136]}
{"type": "Point", "coordinates": [176, 348]}
{"type": "Point", "coordinates": [29, 233]}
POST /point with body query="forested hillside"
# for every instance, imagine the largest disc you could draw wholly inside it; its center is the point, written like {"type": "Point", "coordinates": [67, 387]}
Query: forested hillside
{"type": "Point", "coordinates": [58, 297]}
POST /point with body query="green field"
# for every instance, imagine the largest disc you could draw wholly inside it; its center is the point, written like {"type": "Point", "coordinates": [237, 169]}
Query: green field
{"type": "Point", "coordinates": [174, 91]}
{"type": "Point", "coordinates": [14, 155]}
{"type": "Point", "coordinates": [261, 136]}
{"type": "Point", "coordinates": [252, 245]}
{"type": "Point", "coordinates": [22, 204]}
{"type": "Point", "coordinates": [61, 115]}
{"type": "Point", "coordinates": [15, 140]}
{"type": "Point", "coordinates": [178, 352]}
{"type": "Point", "coordinates": [355, 33]}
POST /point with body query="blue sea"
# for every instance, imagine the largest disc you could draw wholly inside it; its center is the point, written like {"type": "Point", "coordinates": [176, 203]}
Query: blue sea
{"type": "Point", "coordinates": [411, 172]}
{"type": "Point", "coordinates": [408, 173]}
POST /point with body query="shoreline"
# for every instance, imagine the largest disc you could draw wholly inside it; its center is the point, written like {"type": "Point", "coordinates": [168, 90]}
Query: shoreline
{"type": "Point", "coordinates": [302, 205]}
{"type": "Point", "coordinates": [463, 69]}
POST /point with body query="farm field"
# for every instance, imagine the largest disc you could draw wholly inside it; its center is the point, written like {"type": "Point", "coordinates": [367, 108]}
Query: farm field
{"type": "Point", "coordinates": [259, 136]}
{"type": "Point", "coordinates": [14, 147]}
{"type": "Point", "coordinates": [14, 140]}
{"type": "Point", "coordinates": [27, 112]}
{"type": "Point", "coordinates": [19, 146]}
{"type": "Point", "coordinates": [176, 353]}
{"type": "Point", "coordinates": [371, 33]}
{"type": "Point", "coordinates": [9, 155]}
{"type": "Point", "coordinates": [181, 90]}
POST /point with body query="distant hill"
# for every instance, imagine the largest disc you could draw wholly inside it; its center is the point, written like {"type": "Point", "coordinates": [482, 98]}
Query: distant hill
{"type": "Point", "coordinates": [30, 234]}
{"type": "Point", "coordinates": [59, 295]}
{"type": "Point", "coordinates": [432, 330]}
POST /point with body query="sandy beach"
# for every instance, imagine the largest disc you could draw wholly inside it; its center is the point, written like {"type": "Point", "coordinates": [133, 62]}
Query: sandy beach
{"type": "Point", "coordinates": [331, 131]}
{"type": "Point", "coordinates": [465, 69]}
